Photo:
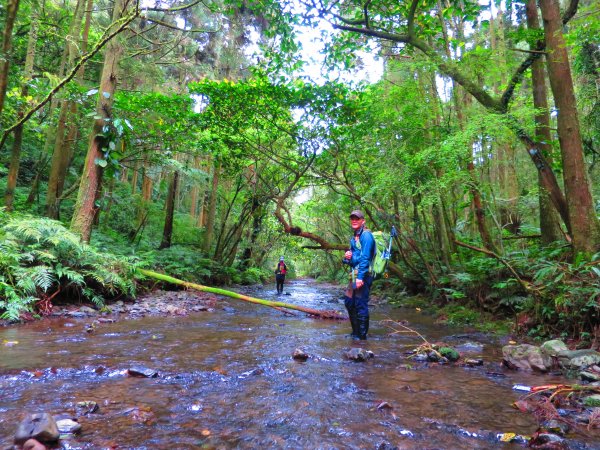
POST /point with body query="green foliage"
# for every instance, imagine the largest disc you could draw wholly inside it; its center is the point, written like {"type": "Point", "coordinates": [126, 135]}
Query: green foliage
{"type": "Point", "coordinates": [39, 257]}
{"type": "Point", "coordinates": [255, 275]}
{"type": "Point", "coordinates": [189, 264]}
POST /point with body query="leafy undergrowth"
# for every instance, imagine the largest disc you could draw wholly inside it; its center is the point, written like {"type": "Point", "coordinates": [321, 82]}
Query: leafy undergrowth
{"type": "Point", "coordinates": [40, 259]}
{"type": "Point", "coordinates": [41, 262]}
{"type": "Point", "coordinates": [546, 293]}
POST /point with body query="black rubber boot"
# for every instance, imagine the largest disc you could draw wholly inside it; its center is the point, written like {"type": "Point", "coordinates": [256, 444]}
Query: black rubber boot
{"type": "Point", "coordinates": [352, 316]}
{"type": "Point", "coordinates": [363, 328]}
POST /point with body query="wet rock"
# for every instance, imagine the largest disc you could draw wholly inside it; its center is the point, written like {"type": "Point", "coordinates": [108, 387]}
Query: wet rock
{"type": "Point", "coordinates": [87, 407]}
{"type": "Point", "coordinates": [592, 401]}
{"type": "Point", "coordinates": [578, 359]}
{"type": "Point", "coordinates": [175, 310]}
{"type": "Point", "coordinates": [68, 426]}
{"type": "Point", "coordinates": [433, 356]}
{"type": "Point", "coordinates": [469, 347]}
{"type": "Point", "coordinates": [88, 310]}
{"type": "Point", "coordinates": [387, 446]}
{"type": "Point", "coordinates": [105, 320]}
{"type": "Point", "coordinates": [300, 355]}
{"type": "Point", "coordinates": [526, 357]}
{"type": "Point", "coordinates": [32, 444]}
{"type": "Point", "coordinates": [547, 441]}
{"type": "Point", "coordinates": [556, 426]}
{"type": "Point", "coordinates": [142, 372]}
{"type": "Point", "coordinates": [450, 353]}
{"type": "Point", "coordinates": [420, 357]}
{"type": "Point", "coordinates": [40, 426]}
{"type": "Point", "coordinates": [472, 362]}
{"type": "Point", "coordinates": [359, 354]}
{"type": "Point", "coordinates": [589, 376]}
{"type": "Point", "coordinates": [553, 347]}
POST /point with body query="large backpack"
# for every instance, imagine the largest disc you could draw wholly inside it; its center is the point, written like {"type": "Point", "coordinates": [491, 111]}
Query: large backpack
{"type": "Point", "coordinates": [383, 248]}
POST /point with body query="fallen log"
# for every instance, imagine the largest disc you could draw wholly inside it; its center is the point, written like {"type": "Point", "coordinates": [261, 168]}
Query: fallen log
{"type": "Point", "coordinates": [322, 314]}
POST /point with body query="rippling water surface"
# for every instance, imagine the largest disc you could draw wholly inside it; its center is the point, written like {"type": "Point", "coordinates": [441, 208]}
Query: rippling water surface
{"type": "Point", "coordinates": [227, 380]}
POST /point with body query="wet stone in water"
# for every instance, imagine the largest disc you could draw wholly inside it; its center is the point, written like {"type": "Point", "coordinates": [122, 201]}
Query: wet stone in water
{"type": "Point", "coordinates": [300, 355]}
{"type": "Point", "coordinates": [359, 354]}
{"type": "Point", "coordinates": [39, 426]}
{"type": "Point", "coordinates": [68, 426]}
{"type": "Point", "coordinates": [87, 407]}
{"type": "Point", "coordinates": [142, 372]}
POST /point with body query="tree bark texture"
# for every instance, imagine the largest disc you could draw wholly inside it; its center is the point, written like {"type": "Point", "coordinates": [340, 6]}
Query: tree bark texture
{"type": "Point", "coordinates": [212, 209]}
{"type": "Point", "coordinates": [12, 7]}
{"type": "Point", "coordinates": [170, 211]}
{"type": "Point", "coordinates": [585, 227]}
{"type": "Point", "coordinates": [549, 219]}
{"type": "Point", "coordinates": [66, 129]}
{"type": "Point", "coordinates": [83, 215]}
{"type": "Point", "coordinates": [15, 157]}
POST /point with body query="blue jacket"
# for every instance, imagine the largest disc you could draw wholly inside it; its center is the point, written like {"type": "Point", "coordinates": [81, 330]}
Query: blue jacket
{"type": "Point", "coordinates": [362, 253]}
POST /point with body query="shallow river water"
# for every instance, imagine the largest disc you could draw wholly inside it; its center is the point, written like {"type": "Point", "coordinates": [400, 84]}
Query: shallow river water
{"type": "Point", "coordinates": [227, 380]}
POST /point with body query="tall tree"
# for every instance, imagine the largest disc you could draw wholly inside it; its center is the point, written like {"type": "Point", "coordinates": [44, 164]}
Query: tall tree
{"type": "Point", "coordinates": [99, 139]}
{"type": "Point", "coordinates": [12, 7]}
{"type": "Point", "coordinates": [549, 220]}
{"type": "Point", "coordinates": [584, 223]}
{"type": "Point", "coordinates": [15, 159]}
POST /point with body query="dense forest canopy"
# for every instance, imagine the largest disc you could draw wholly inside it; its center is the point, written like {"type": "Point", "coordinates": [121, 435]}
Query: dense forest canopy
{"type": "Point", "coordinates": [188, 136]}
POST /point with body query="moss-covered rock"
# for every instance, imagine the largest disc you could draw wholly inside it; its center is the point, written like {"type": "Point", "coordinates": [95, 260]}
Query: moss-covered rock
{"type": "Point", "coordinates": [449, 353]}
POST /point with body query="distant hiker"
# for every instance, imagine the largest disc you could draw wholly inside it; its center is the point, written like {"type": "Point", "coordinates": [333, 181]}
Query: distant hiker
{"type": "Point", "coordinates": [280, 272]}
{"type": "Point", "coordinates": [359, 257]}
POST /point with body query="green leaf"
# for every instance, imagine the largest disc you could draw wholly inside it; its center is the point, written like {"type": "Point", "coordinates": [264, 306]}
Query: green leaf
{"type": "Point", "coordinates": [101, 162]}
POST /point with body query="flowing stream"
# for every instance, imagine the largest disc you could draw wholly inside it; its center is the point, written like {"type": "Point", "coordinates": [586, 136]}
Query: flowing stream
{"type": "Point", "coordinates": [227, 380]}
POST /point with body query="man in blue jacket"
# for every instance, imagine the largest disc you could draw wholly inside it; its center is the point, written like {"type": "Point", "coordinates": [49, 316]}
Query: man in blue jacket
{"type": "Point", "coordinates": [359, 257]}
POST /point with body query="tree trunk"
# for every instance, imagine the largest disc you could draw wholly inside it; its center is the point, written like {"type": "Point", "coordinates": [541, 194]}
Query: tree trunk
{"type": "Point", "coordinates": [12, 7]}
{"type": "Point", "coordinates": [584, 223]}
{"type": "Point", "coordinates": [168, 229]}
{"type": "Point", "coordinates": [332, 314]}
{"type": "Point", "coordinates": [83, 215]}
{"type": "Point", "coordinates": [15, 157]}
{"type": "Point", "coordinates": [212, 209]}
{"type": "Point", "coordinates": [66, 129]}
{"type": "Point", "coordinates": [549, 219]}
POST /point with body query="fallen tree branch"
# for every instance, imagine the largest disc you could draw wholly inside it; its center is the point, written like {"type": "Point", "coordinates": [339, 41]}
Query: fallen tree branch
{"type": "Point", "coordinates": [330, 314]}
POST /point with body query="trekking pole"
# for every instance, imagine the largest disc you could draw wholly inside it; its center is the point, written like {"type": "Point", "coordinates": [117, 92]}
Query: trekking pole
{"type": "Point", "coordinates": [388, 251]}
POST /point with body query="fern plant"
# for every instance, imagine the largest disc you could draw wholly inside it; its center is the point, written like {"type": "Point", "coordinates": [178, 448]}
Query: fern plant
{"type": "Point", "coordinates": [39, 256]}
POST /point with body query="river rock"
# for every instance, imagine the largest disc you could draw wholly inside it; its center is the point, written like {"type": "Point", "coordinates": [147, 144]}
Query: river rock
{"type": "Point", "coordinates": [589, 376]}
{"type": "Point", "coordinates": [39, 426]}
{"type": "Point", "coordinates": [87, 407]}
{"type": "Point", "coordinates": [553, 347]}
{"type": "Point", "coordinates": [449, 353]}
{"type": "Point", "coordinates": [142, 372]}
{"type": "Point", "coordinates": [472, 362]}
{"type": "Point", "coordinates": [548, 441]}
{"type": "Point", "coordinates": [526, 357]}
{"type": "Point", "coordinates": [68, 426]}
{"type": "Point", "coordinates": [556, 426]}
{"type": "Point", "coordinates": [578, 359]}
{"type": "Point", "coordinates": [88, 310]}
{"type": "Point", "coordinates": [592, 401]}
{"type": "Point", "coordinates": [359, 354]}
{"type": "Point", "coordinates": [300, 355]}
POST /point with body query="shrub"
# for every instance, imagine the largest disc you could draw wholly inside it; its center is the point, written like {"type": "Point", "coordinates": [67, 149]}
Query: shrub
{"type": "Point", "coordinates": [39, 258]}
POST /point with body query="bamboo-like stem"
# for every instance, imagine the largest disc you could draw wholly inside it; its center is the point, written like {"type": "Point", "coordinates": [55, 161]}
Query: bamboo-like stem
{"type": "Point", "coordinates": [330, 314]}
